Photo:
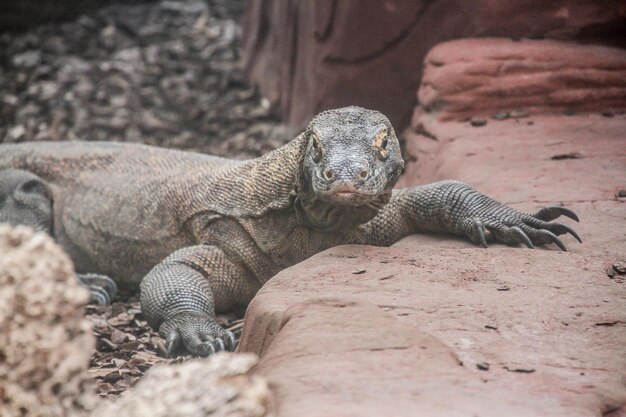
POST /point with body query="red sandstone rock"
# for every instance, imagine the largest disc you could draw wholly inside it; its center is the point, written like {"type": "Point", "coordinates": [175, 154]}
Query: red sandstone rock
{"type": "Point", "coordinates": [386, 342]}
{"type": "Point", "coordinates": [311, 56]}
{"type": "Point", "coordinates": [471, 77]}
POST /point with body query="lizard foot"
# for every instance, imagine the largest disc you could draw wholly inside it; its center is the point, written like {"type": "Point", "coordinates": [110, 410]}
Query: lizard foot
{"type": "Point", "coordinates": [101, 288]}
{"type": "Point", "coordinates": [506, 225]}
{"type": "Point", "coordinates": [195, 334]}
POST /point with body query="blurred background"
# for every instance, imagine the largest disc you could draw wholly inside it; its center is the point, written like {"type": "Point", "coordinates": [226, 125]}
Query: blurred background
{"type": "Point", "coordinates": [524, 99]}
{"type": "Point", "coordinates": [237, 77]}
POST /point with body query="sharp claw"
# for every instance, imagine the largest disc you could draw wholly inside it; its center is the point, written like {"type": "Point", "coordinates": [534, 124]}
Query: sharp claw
{"type": "Point", "coordinates": [481, 232]}
{"type": "Point", "coordinates": [554, 239]}
{"type": "Point", "coordinates": [525, 239]}
{"type": "Point", "coordinates": [551, 213]}
{"type": "Point", "coordinates": [99, 295]}
{"type": "Point", "coordinates": [569, 213]}
{"type": "Point", "coordinates": [561, 228]}
{"type": "Point", "coordinates": [208, 349]}
{"type": "Point", "coordinates": [172, 344]}
{"type": "Point", "coordinates": [232, 341]}
{"type": "Point", "coordinates": [220, 345]}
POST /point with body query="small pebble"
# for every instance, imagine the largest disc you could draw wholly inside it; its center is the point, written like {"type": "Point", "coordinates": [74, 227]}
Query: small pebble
{"type": "Point", "coordinates": [477, 122]}
{"type": "Point", "coordinates": [520, 370]}
{"type": "Point", "coordinates": [483, 366]}
{"type": "Point", "coordinates": [518, 113]}
{"type": "Point", "coordinates": [571, 155]}
{"type": "Point", "coordinates": [358, 271]}
{"type": "Point", "coordinates": [501, 115]}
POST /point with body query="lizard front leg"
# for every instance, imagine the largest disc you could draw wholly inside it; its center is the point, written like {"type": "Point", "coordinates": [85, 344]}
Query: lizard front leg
{"type": "Point", "coordinates": [180, 295]}
{"type": "Point", "coordinates": [455, 207]}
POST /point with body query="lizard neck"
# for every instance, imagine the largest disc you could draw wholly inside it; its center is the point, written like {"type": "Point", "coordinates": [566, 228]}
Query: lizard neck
{"type": "Point", "coordinates": [313, 212]}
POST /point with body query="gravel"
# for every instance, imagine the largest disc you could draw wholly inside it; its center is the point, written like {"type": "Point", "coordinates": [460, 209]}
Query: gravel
{"type": "Point", "coordinates": [163, 73]}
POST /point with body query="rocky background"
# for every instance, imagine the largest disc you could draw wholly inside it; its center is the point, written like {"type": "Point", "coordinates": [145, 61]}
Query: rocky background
{"type": "Point", "coordinates": [308, 56]}
{"type": "Point", "coordinates": [163, 73]}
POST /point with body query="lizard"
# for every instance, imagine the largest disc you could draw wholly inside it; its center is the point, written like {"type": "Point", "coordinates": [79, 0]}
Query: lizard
{"type": "Point", "coordinates": [200, 234]}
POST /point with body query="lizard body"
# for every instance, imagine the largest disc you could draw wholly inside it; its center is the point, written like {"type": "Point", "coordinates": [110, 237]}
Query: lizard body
{"type": "Point", "coordinates": [201, 234]}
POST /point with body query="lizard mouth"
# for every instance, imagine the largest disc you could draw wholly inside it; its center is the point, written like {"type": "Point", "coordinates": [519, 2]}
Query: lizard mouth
{"type": "Point", "coordinates": [346, 194]}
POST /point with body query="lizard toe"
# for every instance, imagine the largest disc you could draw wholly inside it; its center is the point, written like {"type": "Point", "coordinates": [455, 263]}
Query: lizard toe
{"type": "Point", "coordinates": [172, 344]}
{"type": "Point", "coordinates": [477, 232]}
{"type": "Point", "coordinates": [231, 341]}
{"type": "Point", "coordinates": [97, 295]}
{"type": "Point", "coordinates": [553, 212]}
{"type": "Point", "coordinates": [102, 288]}
{"type": "Point", "coordinates": [511, 235]}
{"type": "Point", "coordinates": [226, 342]}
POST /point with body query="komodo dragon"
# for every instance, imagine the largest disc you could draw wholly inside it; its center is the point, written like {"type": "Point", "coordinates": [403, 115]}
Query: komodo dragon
{"type": "Point", "coordinates": [201, 234]}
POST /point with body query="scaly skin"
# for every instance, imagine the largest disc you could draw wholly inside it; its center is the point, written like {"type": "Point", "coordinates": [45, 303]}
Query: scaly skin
{"type": "Point", "coordinates": [202, 234]}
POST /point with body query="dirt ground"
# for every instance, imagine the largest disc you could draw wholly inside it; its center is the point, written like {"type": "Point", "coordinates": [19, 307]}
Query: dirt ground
{"type": "Point", "coordinates": [164, 73]}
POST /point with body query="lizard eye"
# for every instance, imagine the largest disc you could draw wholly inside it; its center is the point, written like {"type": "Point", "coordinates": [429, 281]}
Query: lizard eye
{"type": "Point", "coordinates": [380, 145]}
{"type": "Point", "coordinates": [316, 145]}
{"type": "Point", "coordinates": [30, 186]}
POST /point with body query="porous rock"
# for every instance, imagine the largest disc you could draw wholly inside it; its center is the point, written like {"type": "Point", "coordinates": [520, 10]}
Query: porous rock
{"type": "Point", "coordinates": [218, 387]}
{"type": "Point", "coordinates": [45, 343]}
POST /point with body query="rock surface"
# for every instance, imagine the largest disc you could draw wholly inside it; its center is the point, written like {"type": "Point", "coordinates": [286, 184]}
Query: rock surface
{"type": "Point", "coordinates": [436, 326]}
{"type": "Point", "coordinates": [311, 56]}
{"type": "Point", "coordinates": [45, 342]}
{"type": "Point", "coordinates": [549, 326]}
{"type": "Point", "coordinates": [218, 387]}
{"type": "Point", "coordinates": [480, 77]}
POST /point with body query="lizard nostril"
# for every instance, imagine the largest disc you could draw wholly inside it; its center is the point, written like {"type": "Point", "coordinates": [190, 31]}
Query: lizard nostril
{"type": "Point", "coordinates": [328, 173]}
{"type": "Point", "coordinates": [363, 173]}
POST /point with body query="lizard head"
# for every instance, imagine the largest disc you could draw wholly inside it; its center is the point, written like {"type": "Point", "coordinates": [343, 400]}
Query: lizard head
{"type": "Point", "coordinates": [352, 157]}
